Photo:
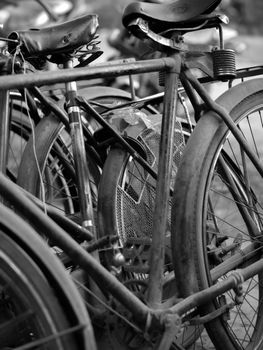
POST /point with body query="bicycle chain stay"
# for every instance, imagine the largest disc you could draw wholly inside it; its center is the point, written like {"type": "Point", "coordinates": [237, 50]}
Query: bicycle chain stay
{"type": "Point", "coordinates": [221, 311]}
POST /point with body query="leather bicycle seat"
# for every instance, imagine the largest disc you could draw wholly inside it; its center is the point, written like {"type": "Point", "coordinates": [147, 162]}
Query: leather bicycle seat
{"type": "Point", "coordinates": [169, 13]}
{"type": "Point", "coordinates": [60, 38]}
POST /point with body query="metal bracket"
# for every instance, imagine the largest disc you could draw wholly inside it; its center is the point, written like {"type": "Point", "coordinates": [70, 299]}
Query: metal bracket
{"type": "Point", "coordinates": [142, 30]}
{"type": "Point", "coordinates": [200, 60]}
{"type": "Point", "coordinates": [172, 324]}
{"type": "Point", "coordinates": [137, 255]}
{"type": "Point", "coordinates": [239, 278]}
{"type": "Point", "coordinates": [211, 316]}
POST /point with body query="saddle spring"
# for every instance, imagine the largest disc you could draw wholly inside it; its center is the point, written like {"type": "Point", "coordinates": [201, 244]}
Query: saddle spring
{"type": "Point", "coordinates": [224, 61]}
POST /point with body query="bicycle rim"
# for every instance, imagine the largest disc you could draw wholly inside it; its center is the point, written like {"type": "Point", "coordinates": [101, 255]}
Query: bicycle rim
{"type": "Point", "coordinates": [55, 163]}
{"type": "Point", "coordinates": [223, 186]}
{"type": "Point", "coordinates": [36, 311]}
{"type": "Point", "coordinates": [126, 202]}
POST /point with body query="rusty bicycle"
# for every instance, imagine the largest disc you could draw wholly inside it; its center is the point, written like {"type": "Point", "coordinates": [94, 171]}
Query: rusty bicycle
{"type": "Point", "coordinates": [156, 300]}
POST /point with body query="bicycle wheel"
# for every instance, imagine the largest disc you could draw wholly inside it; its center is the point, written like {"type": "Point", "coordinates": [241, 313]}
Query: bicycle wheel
{"type": "Point", "coordinates": [40, 306]}
{"type": "Point", "coordinates": [127, 191]}
{"type": "Point", "coordinates": [52, 149]}
{"type": "Point", "coordinates": [20, 129]}
{"type": "Point", "coordinates": [217, 206]}
{"type": "Point", "coordinates": [126, 196]}
{"type": "Point", "coordinates": [50, 155]}
{"type": "Point", "coordinates": [126, 200]}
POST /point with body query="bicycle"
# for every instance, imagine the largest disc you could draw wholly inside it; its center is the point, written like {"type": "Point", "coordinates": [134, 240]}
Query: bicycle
{"type": "Point", "coordinates": [197, 227]}
{"type": "Point", "coordinates": [128, 191]}
{"type": "Point", "coordinates": [138, 310]}
{"type": "Point", "coordinates": [27, 108]}
{"type": "Point", "coordinates": [221, 197]}
{"type": "Point", "coordinates": [35, 103]}
{"type": "Point", "coordinates": [40, 305]}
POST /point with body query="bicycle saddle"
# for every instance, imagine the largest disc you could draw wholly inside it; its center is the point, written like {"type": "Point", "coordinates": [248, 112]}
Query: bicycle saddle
{"type": "Point", "coordinates": [56, 39]}
{"type": "Point", "coordinates": [169, 14]}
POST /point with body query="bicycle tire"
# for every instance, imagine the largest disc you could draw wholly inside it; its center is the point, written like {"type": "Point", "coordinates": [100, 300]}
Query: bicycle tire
{"type": "Point", "coordinates": [46, 134]}
{"type": "Point", "coordinates": [127, 191]}
{"type": "Point", "coordinates": [144, 135]}
{"type": "Point", "coordinates": [40, 306]}
{"type": "Point", "coordinates": [126, 200]}
{"type": "Point", "coordinates": [20, 129]}
{"type": "Point", "coordinates": [206, 218]}
{"type": "Point", "coordinates": [57, 168]}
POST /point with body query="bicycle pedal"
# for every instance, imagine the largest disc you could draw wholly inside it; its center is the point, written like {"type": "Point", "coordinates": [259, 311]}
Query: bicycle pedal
{"type": "Point", "coordinates": [137, 254]}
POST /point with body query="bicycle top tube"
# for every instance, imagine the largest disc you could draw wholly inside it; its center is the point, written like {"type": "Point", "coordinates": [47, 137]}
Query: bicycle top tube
{"type": "Point", "coordinates": [69, 74]}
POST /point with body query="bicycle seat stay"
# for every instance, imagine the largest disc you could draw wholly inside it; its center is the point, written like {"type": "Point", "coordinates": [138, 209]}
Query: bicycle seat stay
{"type": "Point", "coordinates": [56, 39]}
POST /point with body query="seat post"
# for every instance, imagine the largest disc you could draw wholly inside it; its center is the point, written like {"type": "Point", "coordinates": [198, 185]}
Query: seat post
{"type": "Point", "coordinates": [154, 296]}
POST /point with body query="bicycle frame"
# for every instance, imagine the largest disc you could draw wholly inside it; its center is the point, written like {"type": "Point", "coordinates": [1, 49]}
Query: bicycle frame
{"type": "Point", "coordinates": [149, 316]}
{"type": "Point", "coordinates": [4, 127]}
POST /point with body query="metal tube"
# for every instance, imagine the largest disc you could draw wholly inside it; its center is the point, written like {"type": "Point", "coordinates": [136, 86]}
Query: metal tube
{"type": "Point", "coordinates": [4, 129]}
{"type": "Point", "coordinates": [107, 282]}
{"type": "Point", "coordinates": [160, 216]}
{"type": "Point", "coordinates": [75, 230]}
{"type": "Point", "coordinates": [240, 257]}
{"type": "Point", "coordinates": [223, 113]}
{"type": "Point", "coordinates": [80, 157]}
{"type": "Point", "coordinates": [116, 135]}
{"type": "Point", "coordinates": [91, 72]}
{"type": "Point", "coordinates": [221, 287]}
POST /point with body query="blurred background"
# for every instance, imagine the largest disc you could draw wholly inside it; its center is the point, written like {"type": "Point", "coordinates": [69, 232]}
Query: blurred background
{"type": "Point", "coordinates": [244, 32]}
{"type": "Point", "coordinates": [245, 15]}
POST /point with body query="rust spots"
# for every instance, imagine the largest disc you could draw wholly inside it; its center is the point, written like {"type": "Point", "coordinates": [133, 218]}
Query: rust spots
{"type": "Point", "coordinates": [66, 38]}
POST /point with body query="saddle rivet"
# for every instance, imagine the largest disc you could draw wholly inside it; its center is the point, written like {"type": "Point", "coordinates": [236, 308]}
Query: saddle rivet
{"type": "Point", "coordinates": [66, 39]}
